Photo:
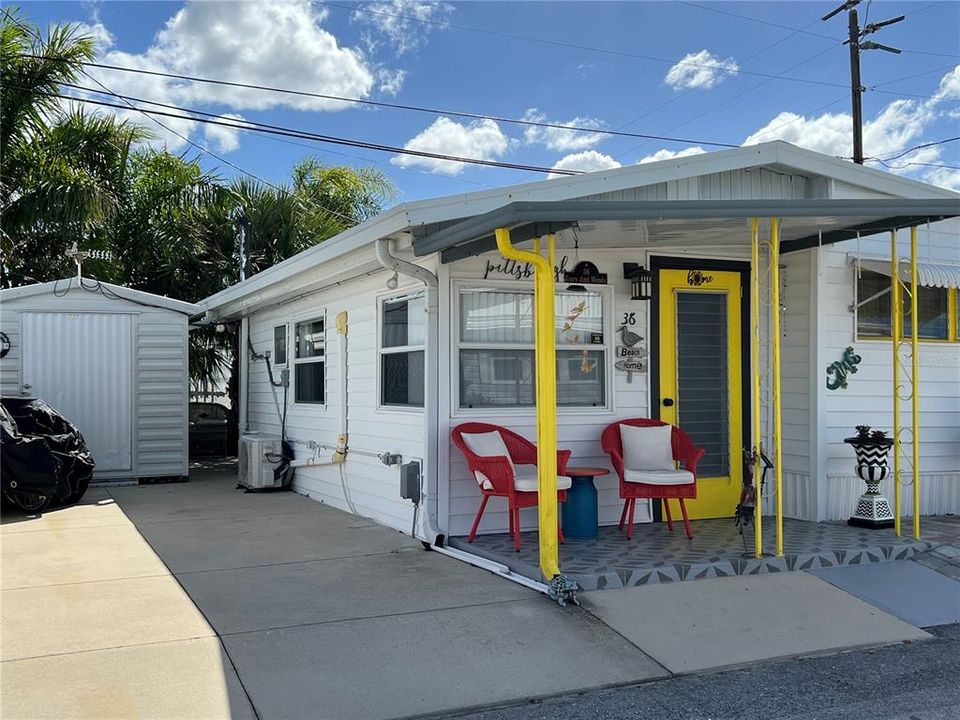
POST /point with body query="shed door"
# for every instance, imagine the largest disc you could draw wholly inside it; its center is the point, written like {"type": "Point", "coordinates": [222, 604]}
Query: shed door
{"type": "Point", "coordinates": [81, 364]}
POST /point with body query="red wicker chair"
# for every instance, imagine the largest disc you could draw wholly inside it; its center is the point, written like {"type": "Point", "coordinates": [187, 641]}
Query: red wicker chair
{"type": "Point", "coordinates": [683, 450]}
{"type": "Point", "coordinates": [498, 478]}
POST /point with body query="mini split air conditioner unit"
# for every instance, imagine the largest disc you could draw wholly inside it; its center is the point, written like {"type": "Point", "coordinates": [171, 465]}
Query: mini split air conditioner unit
{"type": "Point", "coordinates": [259, 455]}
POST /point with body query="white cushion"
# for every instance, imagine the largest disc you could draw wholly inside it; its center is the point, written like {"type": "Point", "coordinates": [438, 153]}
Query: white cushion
{"type": "Point", "coordinates": [525, 479]}
{"type": "Point", "coordinates": [647, 448]}
{"type": "Point", "coordinates": [659, 477]}
{"type": "Point", "coordinates": [488, 444]}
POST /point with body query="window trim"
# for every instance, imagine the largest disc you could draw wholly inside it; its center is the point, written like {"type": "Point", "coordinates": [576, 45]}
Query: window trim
{"type": "Point", "coordinates": [608, 298]}
{"type": "Point", "coordinates": [312, 316]}
{"type": "Point", "coordinates": [381, 351]}
{"type": "Point", "coordinates": [286, 344]}
{"type": "Point", "coordinates": [953, 331]}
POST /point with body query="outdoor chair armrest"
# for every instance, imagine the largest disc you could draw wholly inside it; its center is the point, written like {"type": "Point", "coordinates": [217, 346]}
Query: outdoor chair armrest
{"type": "Point", "coordinates": [496, 469]}
{"type": "Point", "coordinates": [563, 457]}
{"type": "Point", "coordinates": [689, 457]}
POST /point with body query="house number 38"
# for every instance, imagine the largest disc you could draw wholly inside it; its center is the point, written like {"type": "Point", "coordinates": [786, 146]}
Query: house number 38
{"type": "Point", "coordinates": [629, 318]}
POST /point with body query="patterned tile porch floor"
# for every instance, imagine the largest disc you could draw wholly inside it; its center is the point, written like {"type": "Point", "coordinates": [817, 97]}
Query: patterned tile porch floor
{"type": "Point", "coordinates": [656, 555]}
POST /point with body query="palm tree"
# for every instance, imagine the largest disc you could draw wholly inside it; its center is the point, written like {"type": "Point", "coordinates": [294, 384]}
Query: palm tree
{"type": "Point", "coordinates": [60, 168]}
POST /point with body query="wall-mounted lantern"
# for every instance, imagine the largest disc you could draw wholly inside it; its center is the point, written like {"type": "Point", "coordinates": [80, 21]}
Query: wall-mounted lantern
{"type": "Point", "coordinates": [641, 281]}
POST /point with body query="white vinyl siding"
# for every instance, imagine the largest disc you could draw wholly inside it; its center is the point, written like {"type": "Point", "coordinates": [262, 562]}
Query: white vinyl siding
{"type": "Point", "coordinates": [868, 397]}
{"type": "Point", "coordinates": [362, 484]}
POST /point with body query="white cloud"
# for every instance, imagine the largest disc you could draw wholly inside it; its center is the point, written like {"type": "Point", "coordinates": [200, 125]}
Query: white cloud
{"type": "Point", "coordinates": [277, 44]}
{"type": "Point", "coordinates": [389, 82]}
{"type": "Point", "coordinates": [481, 139]}
{"type": "Point", "coordinates": [670, 154]}
{"type": "Point", "coordinates": [898, 126]}
{"type": "Point", "coordinates": [700, 70]}
{"type": "Point", "coordinates": [948, 178]}
{"type": "Point", "coordinates": [587, 161]}
{"type": "Point", "coordinates": [559, 139]}
{"type": "Point", "coordinates": [103, 39]}
{"type": "Point", "coordinates": [401, 25]}
{"type": "Point", "coordinates": [223, 138]}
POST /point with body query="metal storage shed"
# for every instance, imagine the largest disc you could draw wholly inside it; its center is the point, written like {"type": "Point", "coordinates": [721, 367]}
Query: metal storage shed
{"type": "Point", "coordinates": [115, 361]}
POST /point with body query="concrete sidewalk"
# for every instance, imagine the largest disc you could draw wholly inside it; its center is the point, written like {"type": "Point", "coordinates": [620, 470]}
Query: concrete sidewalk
{"type": "Point", "coordinates": [302, 611]}
{"type": "Point", "coordinates": [95, 626]}
{"type": "Point", "coordinates": [327, 615]}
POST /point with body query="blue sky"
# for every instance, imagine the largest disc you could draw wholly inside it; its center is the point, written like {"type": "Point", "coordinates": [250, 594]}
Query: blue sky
{"type": "Point", "coordinates": [689, 70]}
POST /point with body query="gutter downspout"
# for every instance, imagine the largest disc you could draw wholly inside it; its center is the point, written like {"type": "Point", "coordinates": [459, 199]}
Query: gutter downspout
{"type": "Point", "coordinates": [429, 530]}
{"type": "Point", "coordinates": [244, 380]}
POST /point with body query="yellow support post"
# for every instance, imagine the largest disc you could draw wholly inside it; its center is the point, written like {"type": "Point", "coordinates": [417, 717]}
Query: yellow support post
{"type": "Point", "coordinates": [914, 361]}
{"type": "Point", "coordinates": [896, 330]}
{"type": "Point", "coordinates": [755, 379]}
{"type": "Point", "coordinates": [777, 410]}
{"type": "Point", "coordinates": [546, 368]}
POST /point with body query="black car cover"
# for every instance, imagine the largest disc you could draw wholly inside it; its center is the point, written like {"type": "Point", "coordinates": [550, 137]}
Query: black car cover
{"type": "Point", "coordinates": [42, 452]}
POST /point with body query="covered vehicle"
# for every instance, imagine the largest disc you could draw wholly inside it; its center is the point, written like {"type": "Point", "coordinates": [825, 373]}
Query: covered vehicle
{"type": "Point", "coordinates": [43, 457]}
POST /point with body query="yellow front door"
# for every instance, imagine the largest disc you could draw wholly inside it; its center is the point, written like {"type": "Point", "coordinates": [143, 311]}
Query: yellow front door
{"type": "Point", "coordinates": [700, 379]}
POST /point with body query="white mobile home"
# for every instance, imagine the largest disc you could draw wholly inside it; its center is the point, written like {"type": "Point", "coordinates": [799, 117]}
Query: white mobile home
{"type": "Point", "coordinates": [113, 360]}
{"type": "Point", "coordinates": [402, 328]}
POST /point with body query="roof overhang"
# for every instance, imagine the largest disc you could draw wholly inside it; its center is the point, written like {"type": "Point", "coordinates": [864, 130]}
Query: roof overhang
{"type": "Point", "coordinates": [804, 223]}
{"type": "Point", "coordinates": [62, 288]}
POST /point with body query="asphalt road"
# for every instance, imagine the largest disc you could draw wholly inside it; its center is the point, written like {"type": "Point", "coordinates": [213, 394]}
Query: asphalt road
{"type": "Point", "coordinates": [917, 681]}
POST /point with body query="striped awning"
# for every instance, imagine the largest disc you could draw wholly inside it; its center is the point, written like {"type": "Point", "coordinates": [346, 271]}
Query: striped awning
{"type": "Point", "coordinates": [943, 275]}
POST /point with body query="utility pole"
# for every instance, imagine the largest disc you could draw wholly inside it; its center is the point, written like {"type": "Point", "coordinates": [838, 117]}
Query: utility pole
{"type": "Point", "coordinates": [854, 40]}
{"type": "Point", "coordinates": [856, 88]}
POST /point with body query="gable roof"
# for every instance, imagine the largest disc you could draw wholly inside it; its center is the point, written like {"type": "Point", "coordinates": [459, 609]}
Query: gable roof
{"type": "Point", "coordinates": [403, 220]}
{"type": "Point", "coordinates": [108, 290]}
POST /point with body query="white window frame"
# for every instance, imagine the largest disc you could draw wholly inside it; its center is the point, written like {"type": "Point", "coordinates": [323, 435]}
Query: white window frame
{"type": "Point", "coordinates": [606, 293]}
{"type": "Point", "coordinates": [381, 351]}
{"type": "Point", "coordinates": [286, 345]}
{"type": "Point", "coordinates": [293, 360]}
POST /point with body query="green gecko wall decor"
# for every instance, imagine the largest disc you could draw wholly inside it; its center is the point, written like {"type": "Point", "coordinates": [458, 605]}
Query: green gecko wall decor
{"type": "Point", "coordinates": [841, 368]}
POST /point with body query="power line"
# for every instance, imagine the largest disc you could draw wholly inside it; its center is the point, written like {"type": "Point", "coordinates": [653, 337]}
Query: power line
{"type": "Point", "coordinates": [163, 125]}
{"type": "Point", "coordinates": [906, 165]}
{"type": "Point", "coordinates": [242, 129]}
{"type": "Point", "coordinates": [917, 147]}
{"type": "Point", "coordinates": [569, 45]}
{"type": "Point", "coordinates": [250, 125]}
{"type": "Point", "coordinates": [412, 108]}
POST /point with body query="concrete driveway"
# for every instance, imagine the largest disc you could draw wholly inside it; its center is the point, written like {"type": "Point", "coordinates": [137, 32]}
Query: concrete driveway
{"type": "Point", "coordinates": [197, 600]}
{"type": "Point", "coordinates": [291, 607]}
{"type": "Point", "coordinates": [95, 626]}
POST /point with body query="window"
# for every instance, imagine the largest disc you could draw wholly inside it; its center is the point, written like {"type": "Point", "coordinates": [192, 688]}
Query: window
{"type": "Point", "coordinates": [309, 362]}
{"type": "Point", "coordinates": [933, 309]}
{"type": "Point", "coordinates": [280, 345]}
{"type": "Point", "coordinates": [403, 331]}
{"type": "Point", "coordinates": [496, 351]}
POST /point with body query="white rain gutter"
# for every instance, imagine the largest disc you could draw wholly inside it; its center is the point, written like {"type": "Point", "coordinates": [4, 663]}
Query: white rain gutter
{"type": "Point", "coordinates": [430, 530]}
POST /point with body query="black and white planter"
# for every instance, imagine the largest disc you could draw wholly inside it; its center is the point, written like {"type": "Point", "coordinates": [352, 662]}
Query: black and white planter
{"type": "Point", "coordinates": [873, 509]}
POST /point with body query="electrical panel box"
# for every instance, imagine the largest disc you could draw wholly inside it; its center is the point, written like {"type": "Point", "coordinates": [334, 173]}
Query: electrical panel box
{"type": "Point", "coordinates": [410, 481]}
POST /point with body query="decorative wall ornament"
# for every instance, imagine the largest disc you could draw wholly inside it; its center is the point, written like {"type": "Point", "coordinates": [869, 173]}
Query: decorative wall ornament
{"type": "Point", "coordinates": [841, 368]}
{"type": "Point", "coordinates": [4, 344]}
{"type": "Point", "coordinates": [630, 357]}
{"type": "Point", "coordinates": [584, 273]}
{"type": "Point", "coordinates": [698, 278]}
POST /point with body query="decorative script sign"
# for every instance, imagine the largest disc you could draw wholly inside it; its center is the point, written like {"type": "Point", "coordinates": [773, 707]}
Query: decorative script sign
{"type": "Point", "coordinates": [697, 278]}
{"type": "Point", "coordinates": [631, 366]}
{"type": "Point", "coordinates": [521, 271]}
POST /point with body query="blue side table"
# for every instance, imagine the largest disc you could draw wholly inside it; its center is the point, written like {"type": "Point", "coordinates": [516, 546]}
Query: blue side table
{"type": "Point", "coordinates": [580, 509]}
